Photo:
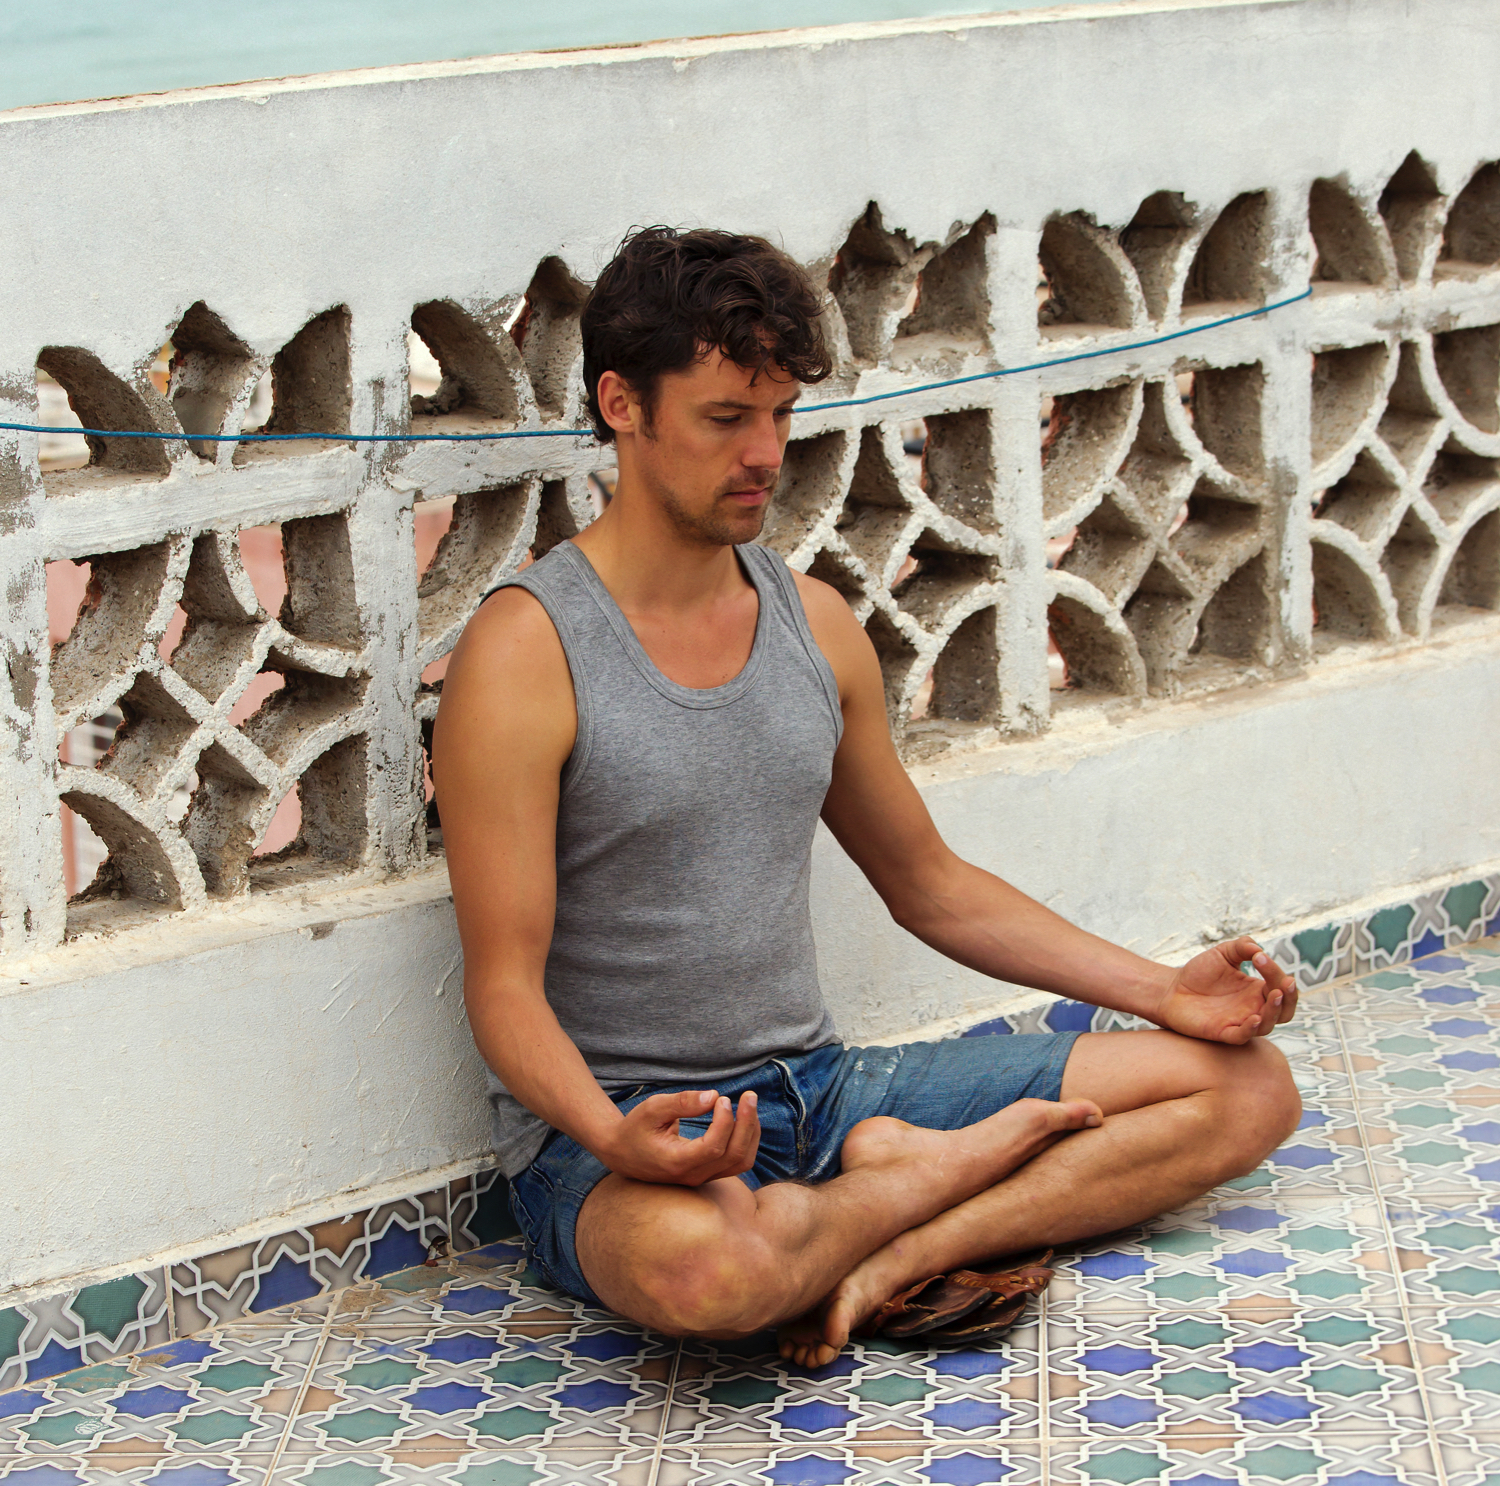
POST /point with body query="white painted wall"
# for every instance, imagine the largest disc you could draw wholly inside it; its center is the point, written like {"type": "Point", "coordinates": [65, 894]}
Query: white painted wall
{"type": "Point", "coordinates": [177, 1086]}
{"type": "Point", "coordinates": [1174, 828]}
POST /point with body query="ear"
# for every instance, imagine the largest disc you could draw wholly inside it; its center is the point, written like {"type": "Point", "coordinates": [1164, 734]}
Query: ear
{"type": "Point", "coordinates": [619, 405]}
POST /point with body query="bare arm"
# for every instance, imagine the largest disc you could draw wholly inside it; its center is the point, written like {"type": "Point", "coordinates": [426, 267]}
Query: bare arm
{"type": "Point", "coordinates": [974, 917]}
{"type": "Point", "coordinates": [504, 730]}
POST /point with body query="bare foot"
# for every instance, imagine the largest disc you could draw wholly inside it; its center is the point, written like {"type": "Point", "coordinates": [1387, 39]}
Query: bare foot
{"type": "Point", "coordinates": [957, 1164]}
{"type": "Point", "coordinates": [964, 1162]}
{"type": "Point", "coordinates": [815, 1339]}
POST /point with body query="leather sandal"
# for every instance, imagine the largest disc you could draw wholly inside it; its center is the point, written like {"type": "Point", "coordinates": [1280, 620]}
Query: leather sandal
{"type": "Point", "coordinates": [994, 1319]}
{"type": "Point", "coordinates": [967, 1304]}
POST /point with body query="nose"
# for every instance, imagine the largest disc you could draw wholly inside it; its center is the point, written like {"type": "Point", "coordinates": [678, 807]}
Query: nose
{"type": "Point", "coordinates": [762, 449]}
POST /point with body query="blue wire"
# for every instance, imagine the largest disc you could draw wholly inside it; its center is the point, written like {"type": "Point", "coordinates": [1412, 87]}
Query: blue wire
{"type": "Point", "coordinates": [1010, 371]}
{"type": "Point", "coordinates": [559, 433]}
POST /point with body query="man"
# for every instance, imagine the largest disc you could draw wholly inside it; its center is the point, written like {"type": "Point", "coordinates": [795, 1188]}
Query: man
{"type": "Point", "coordinates": [637, 737]}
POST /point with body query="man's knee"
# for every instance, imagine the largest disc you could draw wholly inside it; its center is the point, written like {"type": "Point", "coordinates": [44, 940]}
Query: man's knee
{"type": "Point", "coordinates": [692, 1271]}
{"type": "Point", "coordinates": [1258, 1106]}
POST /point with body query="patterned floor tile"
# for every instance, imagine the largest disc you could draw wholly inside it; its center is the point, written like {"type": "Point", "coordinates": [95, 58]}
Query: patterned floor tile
{"type": "Point", "coordinates": [483, 1285]}
{"type": "Point", "coordinates": [1458, 1349]}
{"type": "Point", "coordinates": [735, 1394]}
{"type": "Point", "coordinates": [446, 1465]}
{"type": "Point", "coordinates": [1205, 1374]}
{"type": "Point", "coordinates": [1315, 1054]}
{"type": "Point", "coordinates": [309, 1312]}
{"type": "Point", "coordinates": [1432, 1148]}
{"type": "Point", "coordinates": [1470, 1457]}
{"type": "Point", "coordinates": [1316, 1005]}
{"type": "Point", "coordinates": [1238, 1253]}
{"type": "Point", "coordinates": [1290, 1458]}
{"type": "Point", "coordinates": [483, 1385]}
{"type": "Point", "coordinates": [229, 1392]}
{"type": "Point", "coordinates": [1326, 1155]}
{"type": "Point", "coordinates": [1448, 1054]}
{"type": "Point", "coordinates": [871, 1463]}
{"type": "Point", "coordinates": [1466, 981]}
{"type": "Point", "coordinates": [138, 1470]}
{"type": "Point", "coordinates": [1449, 1253]}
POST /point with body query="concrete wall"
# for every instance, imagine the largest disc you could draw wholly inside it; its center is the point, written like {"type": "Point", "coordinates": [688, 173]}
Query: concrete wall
{"type": "Point", "coordinates": [190, 1059]}
{"type": "Point", "coordinates": [1179, 827]}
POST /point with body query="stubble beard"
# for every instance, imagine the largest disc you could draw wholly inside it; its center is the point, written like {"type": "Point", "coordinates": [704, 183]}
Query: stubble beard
{"type": "Point", "coordinates": [712, 528]}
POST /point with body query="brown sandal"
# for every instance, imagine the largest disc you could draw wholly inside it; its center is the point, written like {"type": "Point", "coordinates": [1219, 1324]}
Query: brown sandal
{"type": "Point", "coordinates": [967, 1304]}
{"type": "Point", "coordinates": [994, 1319]}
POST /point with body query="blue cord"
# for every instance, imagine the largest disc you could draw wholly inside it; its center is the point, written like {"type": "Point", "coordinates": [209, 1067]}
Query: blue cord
{"type": "Point", "coordinates": [560, 433]}
{"type": "Point", "coordinates": [1010, 371]}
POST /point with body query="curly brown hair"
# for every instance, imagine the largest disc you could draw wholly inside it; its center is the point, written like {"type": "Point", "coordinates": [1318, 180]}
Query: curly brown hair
{"type": "Point", "coordinates": [669, 298]}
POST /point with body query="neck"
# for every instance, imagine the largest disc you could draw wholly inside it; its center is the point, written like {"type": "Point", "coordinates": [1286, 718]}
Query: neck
{"type": "Point", "coordinates": [648, 563]}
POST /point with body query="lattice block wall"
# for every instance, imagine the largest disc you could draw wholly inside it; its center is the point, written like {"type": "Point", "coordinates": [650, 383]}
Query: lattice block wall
{"type": "Point", "coordinates": [1405, 418]}
{"type": "Point", "coordinates": [1190, 513]}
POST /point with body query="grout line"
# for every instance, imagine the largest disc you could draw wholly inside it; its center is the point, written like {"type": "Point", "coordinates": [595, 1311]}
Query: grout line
{"type": "Point", "coordinates": [166, 1280]}
{"type": "Point", "coordinates": [296, 1408]}
{"type": "Point", "coordinates": [1397, 1273]}
{"type": "Point", "coordinates": [1044, 1387]}
{"type": "Point", "coordinates": [666, 1415]}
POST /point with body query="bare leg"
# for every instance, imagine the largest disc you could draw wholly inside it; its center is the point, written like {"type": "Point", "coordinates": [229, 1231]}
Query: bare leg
{"type": "Point", "coordinates": [1182, 1116]}
{"type": "Point", "coordinates": [721, 1260]}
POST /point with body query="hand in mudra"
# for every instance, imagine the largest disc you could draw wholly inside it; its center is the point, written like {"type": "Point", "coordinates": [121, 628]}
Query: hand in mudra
{"type": "Point", "coordinates": [1212, 998]}
{"type": "Point", "coordinates": [648, 1145]}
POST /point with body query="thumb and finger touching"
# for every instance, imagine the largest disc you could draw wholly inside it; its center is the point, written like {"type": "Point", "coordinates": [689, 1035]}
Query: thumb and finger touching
{"type": "Point", "coordinates": [715, 1140]}
{"type": "Point", "coordinates": [666, 1109]}
{"type": "Point", "coordinates": [745, 1141]}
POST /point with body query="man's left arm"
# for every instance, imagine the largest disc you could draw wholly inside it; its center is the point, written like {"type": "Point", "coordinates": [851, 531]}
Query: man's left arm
{"type": "Point", "coordinates": [974, 917]}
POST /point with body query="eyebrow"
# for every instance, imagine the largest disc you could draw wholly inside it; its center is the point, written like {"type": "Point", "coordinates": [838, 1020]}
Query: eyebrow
{"type": "Point", "coordinates": [748, 407]}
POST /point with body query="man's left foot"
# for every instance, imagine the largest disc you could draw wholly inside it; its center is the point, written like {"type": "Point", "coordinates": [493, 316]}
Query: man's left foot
{"type": "Point", "coordinates": [815, 1339]}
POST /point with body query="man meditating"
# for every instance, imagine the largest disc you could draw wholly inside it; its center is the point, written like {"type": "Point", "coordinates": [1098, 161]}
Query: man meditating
{"type": "Point", "coordinates": [638, 735]}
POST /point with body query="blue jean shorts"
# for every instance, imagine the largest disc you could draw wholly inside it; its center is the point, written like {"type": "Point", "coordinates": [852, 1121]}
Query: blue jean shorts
{"type": "Point", "coordinates": [808, 1104]}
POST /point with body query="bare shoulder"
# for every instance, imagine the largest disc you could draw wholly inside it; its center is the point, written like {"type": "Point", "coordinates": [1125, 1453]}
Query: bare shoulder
{"type": "Point", "coordinates": [508, 689]}
{"type": "Point", "coordinates": [823, 602]}
{"type": "Point", "coordinates": [839, 635]}
{"type": "Point", "coordinates": [510, 628]}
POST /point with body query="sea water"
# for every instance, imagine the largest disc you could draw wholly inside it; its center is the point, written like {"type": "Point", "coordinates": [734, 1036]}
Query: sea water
{"type": "Point", "coordinates": [58, 50]}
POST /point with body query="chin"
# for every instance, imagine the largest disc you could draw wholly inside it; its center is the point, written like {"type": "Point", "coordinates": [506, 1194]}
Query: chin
{"type": "Point", "coordinates": [731, 529]}
{"type": "Point", "coordinates": [750, 526]}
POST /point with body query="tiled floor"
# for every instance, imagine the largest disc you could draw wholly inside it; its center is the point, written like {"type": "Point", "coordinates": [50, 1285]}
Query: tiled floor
{"type": "Point", "coordinates": [1332, 1318]}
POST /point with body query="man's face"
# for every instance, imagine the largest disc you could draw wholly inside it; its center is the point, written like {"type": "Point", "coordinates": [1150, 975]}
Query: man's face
{"type": "Point", "coordinates": [714, 447]}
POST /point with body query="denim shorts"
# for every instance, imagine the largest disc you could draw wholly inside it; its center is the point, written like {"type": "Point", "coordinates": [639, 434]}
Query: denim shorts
{"type": "Point", "coordinates": [808, 1103]}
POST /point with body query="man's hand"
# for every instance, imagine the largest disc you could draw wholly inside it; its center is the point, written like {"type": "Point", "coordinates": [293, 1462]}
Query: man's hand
{"type": "Point", "coordinates": [1212, 998]}
{"type": "Point", "coordinates": [646, 1146]}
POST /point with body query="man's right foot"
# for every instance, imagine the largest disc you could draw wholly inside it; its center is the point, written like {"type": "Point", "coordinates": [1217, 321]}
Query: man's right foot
{"type": "Point", "coordinates": [962, 1163]}
{"type": "Point", "coordinates": [958, 1164]}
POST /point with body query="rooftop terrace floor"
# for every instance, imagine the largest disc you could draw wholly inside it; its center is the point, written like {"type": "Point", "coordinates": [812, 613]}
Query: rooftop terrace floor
{"type": "Point", "coordinates": [1332, 1318]}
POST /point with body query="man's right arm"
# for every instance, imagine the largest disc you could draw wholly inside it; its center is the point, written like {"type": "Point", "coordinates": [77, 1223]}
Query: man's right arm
{"type": "Point", "coordinates": [504, 730]}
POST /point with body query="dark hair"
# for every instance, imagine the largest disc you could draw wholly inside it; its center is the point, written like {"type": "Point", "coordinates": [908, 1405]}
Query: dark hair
{"type": "Point", "coordinates": [668, 298]}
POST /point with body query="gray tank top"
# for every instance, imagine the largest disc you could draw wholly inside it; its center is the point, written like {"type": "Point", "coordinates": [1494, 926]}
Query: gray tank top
{"type": "Point", "coordinates": [683, 949]}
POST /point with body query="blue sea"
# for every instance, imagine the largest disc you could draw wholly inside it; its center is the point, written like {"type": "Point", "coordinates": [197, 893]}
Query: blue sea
{"type": "Point", "coordinates": [58, 50]}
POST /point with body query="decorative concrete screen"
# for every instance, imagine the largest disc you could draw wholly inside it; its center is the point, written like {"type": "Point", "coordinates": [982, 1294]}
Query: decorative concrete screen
{"type": "Point", "coordinates": [1194, 509]}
